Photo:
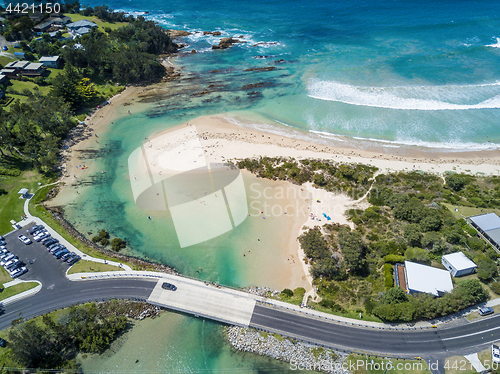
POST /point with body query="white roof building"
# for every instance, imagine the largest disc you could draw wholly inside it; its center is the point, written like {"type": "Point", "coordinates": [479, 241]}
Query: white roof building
{"type": "Point", "coordinates": [423, 278]}
{"type": "Point", "coordinates": [458, 264]}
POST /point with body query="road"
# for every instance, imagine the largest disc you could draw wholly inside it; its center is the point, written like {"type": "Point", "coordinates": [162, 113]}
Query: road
{"type": "Point", "coordinates": [69, 293]}
{"type": "Point", "coordinates": [235, 307]}
{"type": "Point", "coordinates": [464, 339]}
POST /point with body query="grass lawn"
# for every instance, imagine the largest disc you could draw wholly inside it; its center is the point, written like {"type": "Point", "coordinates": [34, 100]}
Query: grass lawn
{"type": "Point", "coordinates": [21, 98]}
{"type": "Point", "coordinates": [97, 21]}
{"type": "Point", "coordinates": [18, 288]}
{"type": "Point", "coordinates": [83, 266]}
{"type": "Point", "coordinates": [4, 60]}
{"type": "Point", "coordinates": [20, 86]}
{"type": "Point", "coordinates": [373, 365]}
{"type": "Point", "coordinates": [469, 211]}
{"type": "Point", "coordinates": [11, 206]}
{"type": "Point", "coordinates": [349, 314]}
{"type": "Point", "coordinates": [460, 365]}
{"type": "Point", "coordinates": [4, 276]}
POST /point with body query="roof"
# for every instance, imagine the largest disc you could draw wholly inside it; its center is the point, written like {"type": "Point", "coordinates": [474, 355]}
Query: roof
{"type": "Point", "coordinates": [82, 30]}
{"type": "Point", "coordinates": [422, 278]}
{"type": "Point", "coordinates": [17, 64]}
{"type": "Point", "coordinates": [33, 66]}
{"type": "Point", "coordinates": [43, 24]}
{"type": "Point", "coordinates": [49, 59]}
{"type": "Point", "coordinates": [459, 261]}
{"type": "Point", "coordinates": [494, 235]}
{"type": "Point", "coordinates": [8, 71]}
{"type": "Point", "coordinates": [2, 77]}
{"type": "Point", "coordinates": [23, 191]}
{"type": "Point", "coordinates": [487, 222]}
{"type": "Point", "coordinates": [82, 23]}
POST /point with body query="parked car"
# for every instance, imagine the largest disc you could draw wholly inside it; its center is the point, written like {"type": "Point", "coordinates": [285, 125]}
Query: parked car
{"type": "Point", "coordinates": [52, 246]}
{"type": "Point", "coordinates": [7, 259]}
{"type": "Point", "coordinates": [43, 241]}
{"type": "Point", "coordinates": [50, 242]}
{"type": "Point", "coordinates": [24, 239]}
{"type": "Point", "coordinates": [13, 264]}
{"type": "Point", "coordinates": [3, 343]}
{"type": "Point", "coordinates": [60, 253]}
{"type": "Point", "coordinates": [34, 229]}
{"type": "Point", "coordinates": [74, 260]}
{"type": "Point", "coordinates": [58, 248]}
{"type": "Point", "coordinates": [18, 272]}
{"type": "Point", "coordinates": [38, 232]}
{"type": "Point", "coordinates": [41, 236]}
{"type": "Point", "coordinates": [2, 242]}
{"type": "Point", "coordinates": [485, 311]}
{"type": "Point", "coordinates": [5, 254]}
{"type": "Point", "coordinates": [65, 256]}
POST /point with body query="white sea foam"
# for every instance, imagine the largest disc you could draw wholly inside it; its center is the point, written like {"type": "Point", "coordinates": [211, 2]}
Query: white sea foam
{"type": "Point", "coordinates": [450, 97]}
{"type": "Point", "coordinates": [495, 45]}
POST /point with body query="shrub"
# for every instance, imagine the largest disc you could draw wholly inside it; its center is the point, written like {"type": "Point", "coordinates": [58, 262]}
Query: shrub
{"type": "Point", "coordinates": [287, 292]}
{"type": "Point", "coordinates": [117, 244]}
{"type": "Point", "coordinates": [393, 259]}
{"type": "Point", "coordinates": [104, 242]}
{"type": "Point", "coordinates": [389, 279]}
{"type": "Point", "coordinates": [495, 286]}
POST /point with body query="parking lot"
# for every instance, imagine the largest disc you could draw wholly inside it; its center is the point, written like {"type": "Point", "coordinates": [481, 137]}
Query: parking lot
{"type": "Point", "coordinates": [42, 265]}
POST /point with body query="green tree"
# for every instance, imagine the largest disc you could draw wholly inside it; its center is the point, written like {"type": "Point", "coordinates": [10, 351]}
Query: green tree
{"type": "Point", "coordinates": [416, 254]}
{"type": "Point", "coordinates": [353, 250]}
{"type": "Point", "coordinates": [486, 267]}
{"type": "Point", "coordinates": [412, 234]}
{"type": "Point", "coordinates": [117, 244]}
{"type": "Point", "coordinates": [314, 245]}
{"type": "Point", "coordinates": [395, 295]}
{"type": "Point", "coordinates": [455, 181]}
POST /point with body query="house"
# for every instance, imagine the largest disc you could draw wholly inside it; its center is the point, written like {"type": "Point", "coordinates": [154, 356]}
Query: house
{"type": "Point", "coordinates": [488, 225]}
{"type": "Point", "coordinates": [8, 72]}
{"type": "Point", "coordinates": [458, 264]}
{"type": "Point", "coordinates": [18, 66]}
{"type": "Point", "coordinates": [50, 61]}
{"type": "Point", "coordinates": [43, 26]}
{"type": "Point", "coordinates": [3, 79]}
{"type": "Point", "coordinates": [60, 20]}
{"type": "Point", "coordinates": [80, 28]}
{"type": "Point", "coordinates": [427, 279]}
{"type": "Point", "coordinates": [33, 69]}
{"type": "Point", "coordinates": [79, 24]}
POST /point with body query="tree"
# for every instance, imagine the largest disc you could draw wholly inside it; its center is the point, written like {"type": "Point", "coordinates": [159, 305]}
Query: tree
{"type": "Point", "coordinates": [431, 221]}
{"type": "Point", "coordinates": [327, 267]}
{"type": "Point", "coordinates": [395, 295]}
{"type": "Point", "coordinates": [313, 244]}
{"type": "Point", "coordinates": [353, 249]}
{"type": "Point", "coordinates": [416, 254]}
{"type": "Point", "coordinates": [319, 179]}
{"type": "Point", "coordinates": [486, 267]}
{"type": "Point", "coordinates": [412, 234]}
{"type": "Point", "coordinates": [65, 87]}
{"type": "Point", "coordinates": [117, 244]}
{"type": "Point", "coordinates": [455, 181]}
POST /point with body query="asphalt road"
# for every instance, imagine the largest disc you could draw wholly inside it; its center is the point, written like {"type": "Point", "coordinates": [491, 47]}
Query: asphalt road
{"type": "Point", "coordinates": [445, 342]}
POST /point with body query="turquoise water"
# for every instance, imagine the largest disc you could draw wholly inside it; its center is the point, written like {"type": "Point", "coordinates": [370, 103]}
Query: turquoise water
{"type": "Point", "coordinates": [409, 72]}
{"type": "Point", "coordinates": [397, 73]}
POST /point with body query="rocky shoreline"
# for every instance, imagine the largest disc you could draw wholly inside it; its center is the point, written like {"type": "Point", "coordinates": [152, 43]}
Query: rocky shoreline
{"type": "Point", "coordinates": [300, 355]}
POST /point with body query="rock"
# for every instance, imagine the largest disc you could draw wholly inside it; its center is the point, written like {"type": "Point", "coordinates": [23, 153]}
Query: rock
{"type": "Point", "coordinates": [226, 43]}
{"type": "Point", "coordinates": [177, 33]}
{"type": "Point", "coordinates": [193, 51]}
{"type": "Point", "coordinates": [264, 43]}
{"type": "Point", "coordinates": [268, 68]}
{"type": "Point", "coordinates": [214, 33]}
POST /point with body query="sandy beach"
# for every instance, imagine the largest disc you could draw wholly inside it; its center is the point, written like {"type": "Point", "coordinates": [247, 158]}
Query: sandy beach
{"type": "Point", "coordinates": [217, 139]}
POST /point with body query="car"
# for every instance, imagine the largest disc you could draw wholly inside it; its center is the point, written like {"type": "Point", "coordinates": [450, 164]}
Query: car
{"type": "Point", "coordinates": [3, 343]}
{"type": "Point", "coordinates": [60, 253]}
{"type": "Point", "coordinates": [55, 249]}
{"type": "Point", "coordinates": [3, 247]}
{"type": "Point", "coordinates": [2, 242]}
{"type": "Point", "coordinates": [168, 286]}
{"type": "Point", "coordinates": [3, 251]}
{"type": "Point", "coordinates": [48, 238]}
{"type": "Point", "coordinates": [65, 256]}
{"type": "Point", "coordinates": [18, 272]}
{"type": "Point", "coordinates": [24, 239]}
{"type": "Point", "coordinates": [38, 232]}
{"type": "Point", "coordinates": [7, 259]}
{"type": "Point", "coordinates": [71, 257]}
{"type": "Point", "coordinates": [43, 235]}
{"type": "Point", "coordinates": [2, 238]}
{"type": "Point", "coordinates": [74, 260]}
{"type": "Point", "coordinates": [50, 242]}
{"type": "Point", "coordinates": [52, 246]}
{"type": "Point", "coordinates": [34, 229]}
{"type": "Point", "coordinates": [484, 311]}
{"type": "Point", "coordinates": [3, 255]}
{"type": "Point", "coordinates": [13, 264]}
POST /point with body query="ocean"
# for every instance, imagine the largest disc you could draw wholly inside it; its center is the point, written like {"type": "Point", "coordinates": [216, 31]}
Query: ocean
{"type": "Point", "coordinates": [390, 75]}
